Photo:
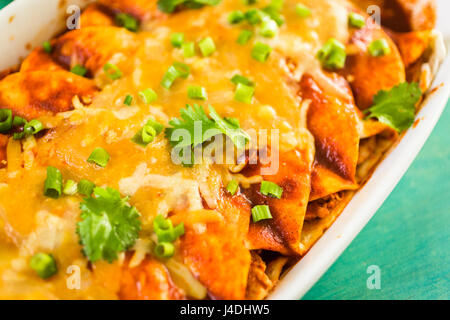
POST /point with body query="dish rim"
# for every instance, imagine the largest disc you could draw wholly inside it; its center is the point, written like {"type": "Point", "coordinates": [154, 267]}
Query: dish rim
{"type": "Point", "coordinates": [305, 273]}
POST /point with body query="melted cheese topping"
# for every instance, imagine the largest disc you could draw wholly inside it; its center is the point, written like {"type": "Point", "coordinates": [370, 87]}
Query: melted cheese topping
{"type": "Point", "coordinates": [30, 222]}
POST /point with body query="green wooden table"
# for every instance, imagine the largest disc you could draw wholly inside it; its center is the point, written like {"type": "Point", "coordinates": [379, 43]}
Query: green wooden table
{"type": "Point", "coordinates": [408, 238]}
{"type": "Point", "coordinates": [4, 3]}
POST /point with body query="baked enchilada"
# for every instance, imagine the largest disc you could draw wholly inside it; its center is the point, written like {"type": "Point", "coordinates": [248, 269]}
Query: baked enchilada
{"type": "Point", "coordinates": [197, 149]}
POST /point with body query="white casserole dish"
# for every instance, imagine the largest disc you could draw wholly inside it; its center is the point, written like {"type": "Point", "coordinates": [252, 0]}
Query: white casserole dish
{"type": "Point", "coordinates": [28, 23]}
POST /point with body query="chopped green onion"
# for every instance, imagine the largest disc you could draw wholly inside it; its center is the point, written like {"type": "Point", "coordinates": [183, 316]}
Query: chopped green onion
{"type": "Point", "coordinates": [33, 127]}
{"type": "Point", "coordinates": [112, 71]}
{"type": "Point", "coordinates": [18, 121]}
{"type": "Point", "coordinates": [44, 265]}
{"type": "Point", "coordinates": [18, 135]}
{"type": "Point", "coordinates": [356, 20]}
{"type": "Point", "coordinates": [165, 231]}
{"type": "Point", "coordinates": [178, 230]}
{"type": "Point", "coordinates": [53, 183]}
{"type": "Point", "coordinates": [127, 21]}
{"type": "Point", "coordinates": [188, 49]}
{"type": "Point", "coordinates": [261, 212]}
{"type": "Point", "coordinates": [164, 250]}
{"type": "Point", "coordinates": [249, 2]}
{"type": "Point", "coordinates": [148, 133]}
{"type": "Point", "coordinates": [269, 28]}
{"type": "Point", "coordinates": [244, 93]}
{"type": "Point", "coordinates": [6, 120]}
{"type": "Point", "coordinates": [254, 16]}
{"type": "Point", "coordinates": [99, 156]}
{"type": "Point", "coordinates": [232, 187]}
{"type": "Point", "coordinates": [236, 17]}
{"type": "Point", "coordinates": [70, 188]}
{"type": "Point", "coordinates": [277, 4]}
{"type": "Point", "coordinates": [237, 78]}
{"type": "Point", "coordinates": [169, 77]}
{"type": "Point", "coordinates": [47, 47]}
{"type": "Point", "coordinates": [332, 55]}
{"type": "Point", "coordinates": [302, 10]}
{"type": "Point", "coordinates": [128, 100]}
{"type": "Point", "coordinates": [207, 46]}
{"type": "Point", "coordinates": [197, 92]}
{"type": "Point", "coordinates": [244, 37]}
{"type": "Point", "coordinates": [86, 187]}
{"type": "Point", "coordinates": [161, 223]}
{"type": "Point", "coordinates": [379, 48]}
{"type": "Point", "coordinates": [176, 70]}
{"type": "Point", "coordinates": [272, 189]}
{"type": "Point", "coordinates": [261, 52]}
{"type": "Point", "coordinates": [148, 95]}
{"type": "Point", "coordinates": [177, 39]}
{"type": "Point", "coordinates": [274, 14]}
{"type": "Point", "coordinates": [79, 70]}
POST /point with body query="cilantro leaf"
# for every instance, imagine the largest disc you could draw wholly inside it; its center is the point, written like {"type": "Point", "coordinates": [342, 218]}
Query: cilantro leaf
{"type": "Point", "coordinates": [195, 127]}
{"type": "Point", "coordinates": [108, 225]}
{"type": "Point", "coordinates": [396, 107]}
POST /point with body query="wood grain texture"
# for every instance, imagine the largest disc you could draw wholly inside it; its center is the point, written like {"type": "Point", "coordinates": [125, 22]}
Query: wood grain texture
{"type": "Point", "coordinates": [408, 238]}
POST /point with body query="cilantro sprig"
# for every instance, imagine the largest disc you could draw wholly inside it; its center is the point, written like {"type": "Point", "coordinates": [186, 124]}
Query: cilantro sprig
{"type": "Point", "coordinates": [396, 107]}
{"type": "Point", "coordinates": [193, 118]}
{"type": "Point", "coordinates": [169, 6]}
{"type": "Point", "coordinates": [108, 225]}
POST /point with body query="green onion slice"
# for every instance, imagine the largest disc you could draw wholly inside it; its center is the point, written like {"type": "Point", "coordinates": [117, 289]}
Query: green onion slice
{"type": "Point", "coordinates": [161, 223]}
{"type": "Point", "coordinates": [207, 46]}
{"type": "Point", "coordinates": [254, 16]}
{"type": "Point", "coordinates": [379, 48]}
{"type": "Point", "coordinates": [148, 133]}
{"type": "Point", "coordinates": [18, 135]}
{"type": "Point", "coordinates": [332, 55]}
{"type": "Point", "coordinates": [302, 10]}
{"type": "Point", "coordinates": [148, 95]}
{"type": "Point", "coordinates": [188, 49]}
{"type": "Point", "coordinates": [33, 127]}
{"type": "Point", "coordinates": [232, 187]}
{"type": "Point", "coordinates": [269, 28]}
{"type": "Point", "coordinates": [237, 78]}
{"type": "Point", "coordinates": [70, 188]}
{"type": "Point", "coordinates": [271, 189]}
{"type": "Point", "coordinates": [261, 52]}
{"type": "Point", "coordinates": [356, 20]}
{"type": "Point", "coordinates": [236, 17]}
{"type": "Point", "coordinates": [44, 265]}
{"type": "Point", "coordinates": [244, 37]}
{"type": "Point", "coordinates": [261, 212]}
{"type": "Point", "coordinates": [86, 187]}
{"type": "Point", "coordinates": [244, 93]}
{"type": "Point", "coordinates": [99, 156]}
{"type": "Point", "coordinates": [128, 100]}
{"type": "Point", "coordinates": [112, 71]}
{"type": "Point", "coordinates": [18, 121]}
{"type": "Point", "coordinates": [177, 39]}
{"type": "Point", "coordinates": [127, 21]}
{"type": "Point", "coordinates": [6, 120]}
{"type": "Point", "coordinates": [197, 92]}
{"type": "Point", "coordinates": [164, 250]}
{"type": "Point", "coordinates": [53, 183]}
{"type": "Point", "coordinates": [47, 47]}
{"type": "Point", "coordinates": [79, 70]}
{"type": "Point", "coordinates": [176, 70]}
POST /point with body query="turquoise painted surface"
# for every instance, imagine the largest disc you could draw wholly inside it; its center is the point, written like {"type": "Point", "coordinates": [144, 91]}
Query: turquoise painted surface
{"type": "Point", "coordinates": [408, 238]}
{"type": "Point", "coordinates": [4, 3]}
